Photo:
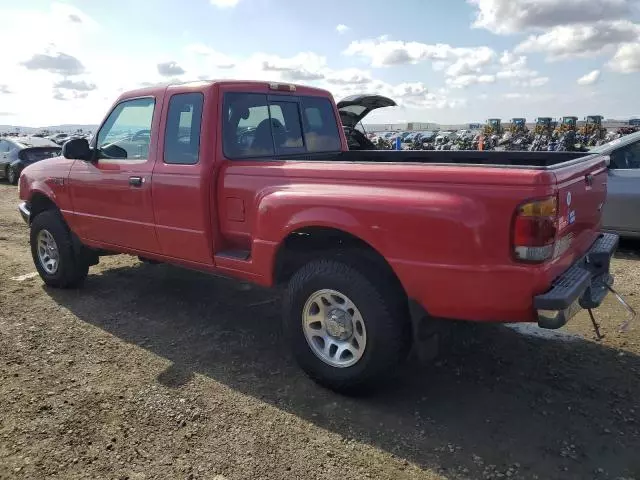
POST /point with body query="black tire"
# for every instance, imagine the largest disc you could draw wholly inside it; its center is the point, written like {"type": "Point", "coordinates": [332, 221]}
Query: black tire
{"type": "Point", "coordinates": [72, 269]}
{"type": "Point", "coordinates": [12, 175]}
{"type": "Point", "coordinates": [384, 312]}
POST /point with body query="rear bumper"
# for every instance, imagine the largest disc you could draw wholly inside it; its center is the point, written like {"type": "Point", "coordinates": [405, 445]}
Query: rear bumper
{"type": "Point", "coordinates": [25, 213]}
{"type": "Point", "coordinates": [583, 285]}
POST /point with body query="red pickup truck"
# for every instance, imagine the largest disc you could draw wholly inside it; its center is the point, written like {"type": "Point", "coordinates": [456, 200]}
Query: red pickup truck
{"type": "Point", "coordinates": [255, 180]}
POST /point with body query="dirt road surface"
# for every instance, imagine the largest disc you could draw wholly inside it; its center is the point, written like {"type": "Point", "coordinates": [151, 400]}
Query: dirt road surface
{"type": "Point", "coordinates": [151, 372]}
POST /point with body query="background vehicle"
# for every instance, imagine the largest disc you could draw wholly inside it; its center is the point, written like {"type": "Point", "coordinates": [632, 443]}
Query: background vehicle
{"type": "Point", "coordinates": [593, 130]}
{"type": "Point", "coordinates": [58, 138]}
{"type": "Point", "coordinates": [369, 246]}
{"type": "Point", "coordinates": [544, 126]}
{"type": "Point", "coordinates": [622, 209]}
{"type": "Point", "coordinates": [518, 126]}
{"type": "Point", "coordinates": [18, 152]}
{"type": "Point", "coordinates": [352, 110]}
{"type": "Point", "coordinates": [493, 127]}
{"type": "Point", "coordinates": [567, 124]}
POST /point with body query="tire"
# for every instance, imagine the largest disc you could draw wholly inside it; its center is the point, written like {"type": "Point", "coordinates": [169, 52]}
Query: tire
{"type": "Point", "coordinates": [377, 302]}
{"type": "Point", "coordinates": [12, 175]}
{"type": "Point", "coordinates": [70, 270]}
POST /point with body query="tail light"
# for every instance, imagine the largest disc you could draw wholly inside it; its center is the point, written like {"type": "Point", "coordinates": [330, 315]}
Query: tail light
{"type": "Point", "coordinates": [283, 87]}
{"type": "Point", "coordinates": [534, 230]}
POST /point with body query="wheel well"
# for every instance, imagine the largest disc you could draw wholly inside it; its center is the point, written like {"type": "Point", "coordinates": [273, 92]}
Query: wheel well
{"type": "Point", "coordinates": [40, 203]}
{"type": "Point", "coordinates": [301, 246]}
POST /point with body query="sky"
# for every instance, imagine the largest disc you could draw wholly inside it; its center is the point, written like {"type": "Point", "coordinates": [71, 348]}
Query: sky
{"type": "Point", "coordinates": [444, 61]}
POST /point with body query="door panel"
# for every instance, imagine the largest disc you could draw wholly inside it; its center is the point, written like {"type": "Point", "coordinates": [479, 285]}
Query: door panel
{"type": "Point", "coordinates": [182, 207]}
{"type": "Point", "coordinates": [4, 157]}
{"type": "Point", "coordinates": [112, 195]}
{"type": "Point", "coordinates": [622, 208]}
{"type": "Point", "coordinates": [108, 209]}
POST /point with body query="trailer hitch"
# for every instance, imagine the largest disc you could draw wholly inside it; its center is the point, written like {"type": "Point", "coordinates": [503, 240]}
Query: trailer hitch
{"type": "Point", "coordinates": [625, 325]}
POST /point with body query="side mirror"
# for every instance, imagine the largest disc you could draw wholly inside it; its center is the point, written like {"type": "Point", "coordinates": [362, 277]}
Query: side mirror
{"type": "Point", "coordinates": [77, 148]}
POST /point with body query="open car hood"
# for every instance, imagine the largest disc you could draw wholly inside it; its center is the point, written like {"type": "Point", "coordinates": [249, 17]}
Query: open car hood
{"type": "Point", "coordinates": [355, 107]}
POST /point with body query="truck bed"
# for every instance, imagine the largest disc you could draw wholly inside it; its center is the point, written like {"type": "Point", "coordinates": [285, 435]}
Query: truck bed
{"type": "Point", "coordinates": [525, 159]}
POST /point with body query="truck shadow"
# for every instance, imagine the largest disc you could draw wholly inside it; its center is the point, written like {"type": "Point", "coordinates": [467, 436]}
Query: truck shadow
{"type": "Point", "coordinates": [629, 249]}
{"type": "Point", "coordinates": [559, 409]}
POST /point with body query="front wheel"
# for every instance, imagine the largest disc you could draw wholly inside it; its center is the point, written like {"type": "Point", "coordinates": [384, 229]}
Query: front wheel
{"type": "Point", "coordinates": [347, 327]}
{"type": "Point", "coordinates": [12, 175]}
{"type": "Point", "coordinates": [53, 254]}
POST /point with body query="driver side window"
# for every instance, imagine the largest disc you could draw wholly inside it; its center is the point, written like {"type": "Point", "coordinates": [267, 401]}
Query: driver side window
{"type": "Point", "coordinates": [626, 158]}
{"type": "Point", "coordinates": [126, 135]}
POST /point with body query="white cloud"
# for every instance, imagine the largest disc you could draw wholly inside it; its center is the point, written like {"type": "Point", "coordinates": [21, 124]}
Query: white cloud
{"type": "Point", "coordinates": [170, 69]}
{"type": "Point", "coordinates": [77, 85]}
{"type": "Point", "coordinates": [382, 52]}
{"type": "Point", "coordinates": [626, 59]}
{"type": "Point", "coordinates": [510, 60]}
{"type": "Point", "coordinates": [514, 73]}
{"type": "Point", "coordinates": [224, 3]}
{"type": "Point", "coordinates": [535, 82]}
{"type": "Point", "coordinates": [581, 40]}
{"type": "Point", "coordinates": [470, 61]}
{"type": "Point", "coordinates": [349, 76]}
{"type": "Point", "coordinates": [463, 81]}
{"type": "Point", "coordinates": [590, 78]}
{"type": "Point", "coordinates": [515, 16]}
{"type": "Point", "coordinates": [514, 68]}
{"type": "Point", "coordinates": [516, 95]}
{"type": "Point", "coordinates": [305, 66]}
{"type": "Point", "coordinates": [57, 62]}
{"type": "Point", "coordinates": [342, 28]}
{"type": "Point", "coordinates": [211, 57]}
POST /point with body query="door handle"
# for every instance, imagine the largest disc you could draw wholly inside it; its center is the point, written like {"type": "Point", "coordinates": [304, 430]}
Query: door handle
{"type": "Point", "coordinates": [136, 181]}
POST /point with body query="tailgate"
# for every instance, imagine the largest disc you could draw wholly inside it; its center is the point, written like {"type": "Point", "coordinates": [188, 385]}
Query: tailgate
{"type": "Point", "coordinates": [582, 190]}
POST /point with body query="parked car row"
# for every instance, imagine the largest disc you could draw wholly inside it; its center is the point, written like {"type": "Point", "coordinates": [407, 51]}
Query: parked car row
{"type": "Point", "coordinates": [60, 138]}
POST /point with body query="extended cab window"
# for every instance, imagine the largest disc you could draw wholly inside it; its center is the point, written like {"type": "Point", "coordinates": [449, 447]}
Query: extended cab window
{"type": "Point", "coordinates": [127, 132]}
{"type": "Point", "coordinates": [182, 134]}
{"type": "Point", "coordinates": [257, 125]}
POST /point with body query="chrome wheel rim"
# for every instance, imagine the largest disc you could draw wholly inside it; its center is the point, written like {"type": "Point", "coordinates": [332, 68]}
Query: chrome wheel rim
{"type": "Point", "coordinates": [48, 253]}
{"type": "Point", "coordinates": [334, 328]}
{"type": "Point", "coordinates": [11, 177]}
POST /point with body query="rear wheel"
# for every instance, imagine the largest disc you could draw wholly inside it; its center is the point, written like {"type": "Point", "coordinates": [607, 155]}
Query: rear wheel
{"type": "Point", "coordinates": [53, 254]}
{"type": "Point", "coordinates": [346, 325]}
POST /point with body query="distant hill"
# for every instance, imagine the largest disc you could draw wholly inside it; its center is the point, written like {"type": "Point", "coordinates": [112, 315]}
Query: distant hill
{"type": "Point", "coordinates": [67, 128]}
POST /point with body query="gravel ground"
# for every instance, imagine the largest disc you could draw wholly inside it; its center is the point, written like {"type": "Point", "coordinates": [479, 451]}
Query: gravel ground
{"type": "Point", "coordinates": [155, 372]}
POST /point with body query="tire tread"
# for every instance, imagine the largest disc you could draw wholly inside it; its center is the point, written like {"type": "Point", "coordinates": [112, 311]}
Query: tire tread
{"type": "Point", "coordinates": [73, 269]}
{"type": "Point", "coordinates": [390, 323]}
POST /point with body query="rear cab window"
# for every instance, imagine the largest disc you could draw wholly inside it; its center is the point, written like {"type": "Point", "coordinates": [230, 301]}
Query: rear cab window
{"type": "Point", "coordinates": [182, 132]}
{"type": "Point", "coordinates": [260, 125]}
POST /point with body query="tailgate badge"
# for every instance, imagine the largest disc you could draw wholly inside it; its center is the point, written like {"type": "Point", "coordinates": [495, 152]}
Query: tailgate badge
{"type": "Point", "coordinates": [568, 199]}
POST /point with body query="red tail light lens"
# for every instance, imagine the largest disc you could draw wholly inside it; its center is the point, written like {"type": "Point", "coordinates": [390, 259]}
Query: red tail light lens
{"type": "Point", "coordinates": [283, 87]}
{"type": "Point", "coordinates": [534, 230]}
